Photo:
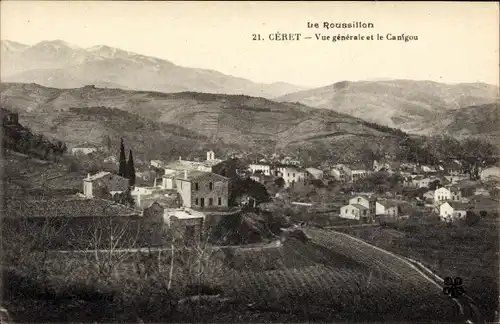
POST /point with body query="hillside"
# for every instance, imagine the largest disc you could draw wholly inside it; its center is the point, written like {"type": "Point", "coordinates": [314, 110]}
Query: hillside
{"type": "Point", "coordinates": [405, 104]}
{"type": "Point", "coordinates": [62, 65]}
{"type": "Point", "coordinates": [248, 123]}
{"type": "Point", "coordinates": [480, 120]}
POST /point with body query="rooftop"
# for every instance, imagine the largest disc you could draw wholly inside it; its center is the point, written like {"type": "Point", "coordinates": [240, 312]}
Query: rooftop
{"type": "Point", "coordinates": [64, 206]}
{"type": "Point", "coordinates": [183, 213]}
{"type": "Point", "coordinates": [459, 205]}
{"type": "Point", "coordinates": [97, 176]}
{"type": "Point", "coordinates": [358, 206]}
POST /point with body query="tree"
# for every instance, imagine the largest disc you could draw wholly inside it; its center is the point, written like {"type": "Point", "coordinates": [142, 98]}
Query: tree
{"type": "Point", "coordinates": [131, 169]}
{"type": "Point", "coordinates": [471, 218]}
{"type": "Point", "coordinates": [279, 182]}
{"type": "Point", "coordinates": [123, 161]}
{"type": "Point", "coordinates": [111, 240]}
{"type": "Point", "coordinates": [476, 154]}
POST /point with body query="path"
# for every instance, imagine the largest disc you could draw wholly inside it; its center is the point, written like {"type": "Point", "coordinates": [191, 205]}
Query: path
{"type": "Point", "coordinates": [397, 265]}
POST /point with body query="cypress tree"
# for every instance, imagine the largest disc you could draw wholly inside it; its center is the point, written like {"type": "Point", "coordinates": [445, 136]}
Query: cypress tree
{"type": "Point", "coordinates": [122, 171]}
{"type": "Point", "coordinates": [131, 169]}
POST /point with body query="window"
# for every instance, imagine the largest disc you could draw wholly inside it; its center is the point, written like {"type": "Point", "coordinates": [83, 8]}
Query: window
{"type": "Point", "coordinates": [196, 201]}
{"type": "Point", "coordinates": [288, 174]}
{"type": "Point", "coordinates": [352, 211]}
{"type": "Point", "coordinates": [181, 184]}
{"type": "Point", "coordinates": [210, 201]}
{"type": "Point", "coordinates": [219, 201]}
{"type": "Point", "coordinates": [359, 199]}
{"type": "Point", "coordinates": [196, 186]}
{"type": "Point", "coordinates": [293, 175]}
{"type": "Point", "coordinates": [210, 186]}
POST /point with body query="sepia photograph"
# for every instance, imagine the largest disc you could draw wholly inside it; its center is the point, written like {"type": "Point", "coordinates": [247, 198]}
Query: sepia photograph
{"type": "Point", "coordinates": [249, 162]}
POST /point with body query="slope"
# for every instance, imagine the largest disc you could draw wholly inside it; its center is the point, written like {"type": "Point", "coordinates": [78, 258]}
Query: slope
{"type": "Point", "coordinates": [405, 104]}
{"type": "Point", "coordinates": [249, 123]}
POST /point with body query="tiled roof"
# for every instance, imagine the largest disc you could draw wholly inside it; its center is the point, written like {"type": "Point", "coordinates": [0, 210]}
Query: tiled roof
{"type": "Point", "coordinates": [358, 206]}
{"type": "Point", "coordinates": [459, 205]}
{"type": "Point", "coordinates": [97, 176]}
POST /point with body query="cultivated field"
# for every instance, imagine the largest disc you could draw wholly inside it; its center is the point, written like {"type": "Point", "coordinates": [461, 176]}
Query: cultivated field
{"type": "Point", "coordinates": [467, 252]}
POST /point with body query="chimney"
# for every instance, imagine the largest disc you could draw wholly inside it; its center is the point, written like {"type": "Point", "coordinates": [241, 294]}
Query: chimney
{"type": "Point", "coordinates": [180, 158]}
{"type": "Point", "coordinates": [88, 175]}
{"type": "Point", "coordinates": [154, 185]}
{"type": "Point", "coordinates": [185, 174]}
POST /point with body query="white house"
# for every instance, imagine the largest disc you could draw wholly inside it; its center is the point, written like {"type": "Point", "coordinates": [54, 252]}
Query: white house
{"type": "Point", "coordinates": [339, 174]}
{"type": "Point", "coordinates": [264, 168]}
{"type": "Point", "coordinates": [481, 192]}
{"type": "Point", "coordinates": [353, 211]}
{"type": "Point", "coordinates": [447, 194]}
{"type": "Point", "coordinates": [292, 175]}
{"type": "Point", "coordinates": [359, 207]}
{"type": "Point", "coordinates": [83, 150]}
{"type": "Point", "coordinates": [315, 173]}
{"type": "Point", "coordinates": [103, 182]}
{"type": "Point", "coordinates": [450, 211]}
{"type": "Point", "coordinates": [204, 166]}
{"type": "Point", "coordinates": [157, 164]}
{"type": "Point", "coordinates": [490, 173]}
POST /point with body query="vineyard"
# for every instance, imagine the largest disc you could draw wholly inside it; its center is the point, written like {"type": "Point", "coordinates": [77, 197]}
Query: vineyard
{"type": "Point", "coordinates": [470, 253]}
{"type": "Point", "coordinates": [332, 278]}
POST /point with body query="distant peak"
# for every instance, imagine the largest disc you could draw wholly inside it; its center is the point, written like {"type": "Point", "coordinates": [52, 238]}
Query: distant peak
{"type": "Point", "coordinates": [13, 46]}
{"type": "Point", "coordinates": [58, 42]}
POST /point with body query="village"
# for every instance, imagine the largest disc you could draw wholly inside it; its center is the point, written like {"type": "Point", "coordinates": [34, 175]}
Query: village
{"type": "Point", "coordinates": [193, 194]}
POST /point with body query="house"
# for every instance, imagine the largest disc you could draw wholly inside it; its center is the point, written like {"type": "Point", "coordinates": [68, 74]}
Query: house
{"type": "Point", "coordinates": [453, 168]}
{"type": "Point", "coordinates": [110, 159]}
{"type": "Point", "coordinates": [359, 207]}
{"type": "Point", "coordinates": [102, 183]}
{"type": "Point", "coordinates": [456, 178]}
{"type": "Point", "coordinates": [84, 150]}
{"type": "Point", "coordinates": [205, 166]}
{"type": "Point", "coordinates": [429, 195]}
{"type": "Point", "coordinates": [315, 173]}
{"type": "Point", "coordinates": [198, 189]}
{"type": "Point", "coordinates": [480, 191]}
{"type": "Point", "coordinates": [419, 182]}
{"type": "Point", "coordinates": [157, 164]}
{"type": "Point", "coordinates": [428, 169]}
{"type": "Point", "coordinates": [392, 209]}
{"type": "Point", "coordinates": [389, 167]}
{"type": "Point", "coordinates": [186, 224]}
{"type": "Point", "coordinates": [354, 211]}
{"type": "Point", "coordinates": [451, 211]}
{"type": "Point", "coordinates": [168, 198]}
{"type": "Point", "coordinates": [294, 176]}
{"type": "Point", "coordinates": [263, 168]}
{"type": "Point", "coordinates": [490, 173]}
{"type": "Point", "coordinates": [145, 175]}
{"type": "Point", "coordinates": [357, 172]}
{"type": "Point", "coordinates": [339, 174]}
{"type": "Point", "coordinates": [290, 161]}
{"type": "Point", "coordinates": [443, 194]}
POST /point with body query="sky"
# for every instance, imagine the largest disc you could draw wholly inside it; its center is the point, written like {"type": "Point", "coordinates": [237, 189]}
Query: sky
{"type": "Point", "coordinates": [457, 42]}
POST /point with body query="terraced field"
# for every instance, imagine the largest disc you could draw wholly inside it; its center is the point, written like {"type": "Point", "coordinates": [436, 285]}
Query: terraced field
{"type": "Point", "coordinates": [331, 277]}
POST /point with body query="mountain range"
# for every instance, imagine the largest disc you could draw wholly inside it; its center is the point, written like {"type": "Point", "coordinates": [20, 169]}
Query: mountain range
{"type": "Point", "coordinates": [422, 107]}
{"type": "Point", "coordinates": [237, 122]}
{"type": "Point", "coordinates": [62, 65]}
